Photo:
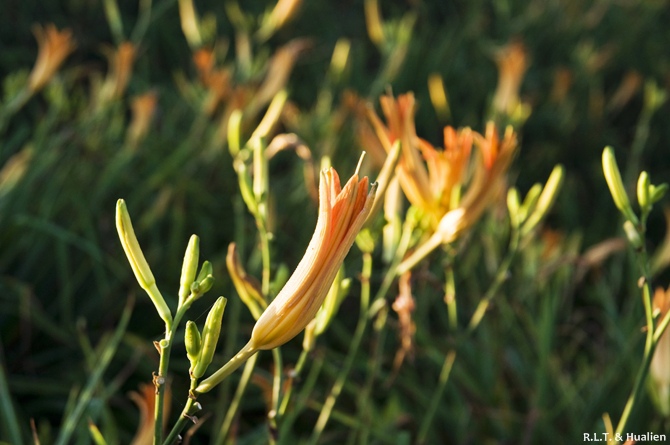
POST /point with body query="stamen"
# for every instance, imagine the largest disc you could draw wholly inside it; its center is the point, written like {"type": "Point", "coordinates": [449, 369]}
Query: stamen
{"type": "Point", "coordinates": [360, 161]}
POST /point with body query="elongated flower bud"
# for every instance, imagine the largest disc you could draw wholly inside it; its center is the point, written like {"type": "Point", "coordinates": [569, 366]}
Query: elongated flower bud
{"type": "Point", "coordinates": [193, 343]}
{"type": "Point", "coordinates": [210, 336]}
{"type": "Point", "coordinates": [137, 261]}
{"type": "Point", "coordinates": [615, 184]}
{"type": "Point", "coordinates": [189, 268]}
{"type": "Point", "coordinates": [342, 213]}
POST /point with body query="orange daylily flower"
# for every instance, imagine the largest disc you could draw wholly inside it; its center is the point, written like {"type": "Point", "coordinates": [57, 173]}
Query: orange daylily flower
{"type": "Point", "coordinates": [429, 177]}
{"type": "Point", "coordinates": [512, 63]}
{"type": "Point", "coordinates": [487, 182]}
{"type": "Point", "coordinates": [121, 63]}
{"type": "Point", "coordinates": [342, 212]}
{"type": "Point", "coordinates": [142, 111]}
{"type": "Point", "coordinates": [53, 48]}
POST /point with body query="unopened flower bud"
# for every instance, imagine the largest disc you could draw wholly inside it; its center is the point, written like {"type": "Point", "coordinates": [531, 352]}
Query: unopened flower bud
{"type": "Point", "coordinates": [210, 337]}
{"type": "Point", "coordinates": [193, 343]}
{"type": "Point", "coordinates": [546, 199]}
{"type": "Point", "coordinates": [137, 261]}
{"type": "Point", "coordinates": [189, 267]}
{"type": "Point", "coordinates": [615, 184]}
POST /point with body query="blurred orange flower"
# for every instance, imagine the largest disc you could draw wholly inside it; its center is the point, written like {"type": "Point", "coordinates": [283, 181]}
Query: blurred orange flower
{"type": "Point", "coordinates": [53, 48]}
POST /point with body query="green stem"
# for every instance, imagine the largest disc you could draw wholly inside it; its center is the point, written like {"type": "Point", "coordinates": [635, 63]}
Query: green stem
{"type": "Point", "coordinates": [650, 341]}
{"type": "Point", "coordinates": [364, 399]}
{"type": "Point", "coordinates": [295, 374]}
{"type": "Point", "coordinates": [190, 408]}
{"type": "Point", "coordinates": [265, 255]}
{"type": "Point", "coordinates": [237, 398]}
{"type": "Point", "coordinates": [437, 396]}
{"type": "Point", "coordinates": [160, 379]}
{"type": "Point", "coordinates": [86, 395]}
{"type": "Point", "coordinates": [392, 271]}
{"type": "Point", "coordinates": [210, 382]}
{"type": "Point", "coordinates": [353, 350]}
{"type": "Point", "coordinates": [276, 394]}
{"type": "Point", "coordinates": [500, 278]}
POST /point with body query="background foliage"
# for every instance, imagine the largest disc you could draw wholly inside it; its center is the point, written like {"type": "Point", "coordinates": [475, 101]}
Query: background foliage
{"type": "Point", "coordinates": [558, 348]}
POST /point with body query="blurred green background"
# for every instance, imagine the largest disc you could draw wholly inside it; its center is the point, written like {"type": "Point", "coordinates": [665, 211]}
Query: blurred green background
{"type": "Point", "coordinates": [559, 350]}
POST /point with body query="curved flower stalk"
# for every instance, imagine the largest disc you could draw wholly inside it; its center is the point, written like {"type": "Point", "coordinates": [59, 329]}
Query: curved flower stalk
{"type": "Point", "coordinates": [342, 213]}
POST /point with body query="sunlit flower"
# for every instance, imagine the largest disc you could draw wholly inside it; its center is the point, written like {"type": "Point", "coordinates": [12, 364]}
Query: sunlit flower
{"type": "Point", "coordinates": [495, 156]}
{"type": "Point", "coordinates": [53, 48]}
{"type": "Point", "coordinates": [142, 108]}
{"type": "Point", "coordinates": [433, 179]}
{"type": "Point", "coordinates": [342, 212]}
{"type": "Point", "coordinates": [659, 369]}
{"type": "Point", "coordinates": [121, 63]}
{"type": "Point", "coordinates": [512, 64]}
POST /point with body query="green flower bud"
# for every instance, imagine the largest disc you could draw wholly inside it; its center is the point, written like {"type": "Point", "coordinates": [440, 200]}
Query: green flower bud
{"type": "Point", "coordinates": [234, 125]}
{"type": "Point", "coordinates": [205, 270]}
{"type": "Point", "coordinates": [513, 206]}
{"type": "Point", "coordinates": [210, 336]}
{"type": "Point", "coordinates": [546, 199]}
{"type": "Point", "coordinates": [189, 268]}
{"type": "Point", "coordinates": [246, 187]}
{"type": "Point", "coordinates": [193, 343]}
{"type": "Point", "coordinates": [643, 200]}
{"type": "Point", "coordinates": [200, 288]}
{"type": "Point", "coordinates": [615, 184]}
{"type": "Point", "coordinates": [138, 263]}
{"type": "Point", "coordinates": [530, 201]}
{"type": "Point", "coordinates": [657, 192]}
{"type": "Point", "coordinates": [338, 290]}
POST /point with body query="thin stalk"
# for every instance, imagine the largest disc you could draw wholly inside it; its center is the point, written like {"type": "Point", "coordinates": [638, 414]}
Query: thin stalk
{"type": "Point", "coordinates": [392, 271]}
{"type": "Point", "coordinates": [363, 430]}
{"type": "Point", "coordinates": [294, 375]}
{"type": "Point", "coordinates": [264, 236]}
{"type": "Point", "coordinates": [437, 396]}
{"type": "Point", "coordinates": [302, 397]}
{"type": "Point", "coordinates": [160, 379]}
{"type": "Point", "coordinates": [351, 355]}
{"type": "Point", "coordinates": [86, 395]}
{"type": "Point", "coordinates": [237, 398]}
{"type": "Point", "coordinates": [7, 412]}
{"type": "Point", "coordinates": [191, 407]}
{"type": "Point", "coordinates": [500, 278]}
{"type": "Point", "coordinates": [276, 394]}
{"type": "Point", "coordinates": [650, 340]}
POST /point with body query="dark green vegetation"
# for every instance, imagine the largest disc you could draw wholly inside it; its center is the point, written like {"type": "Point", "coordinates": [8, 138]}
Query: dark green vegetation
{"type": "Point", "coordinates": [561, 342]}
